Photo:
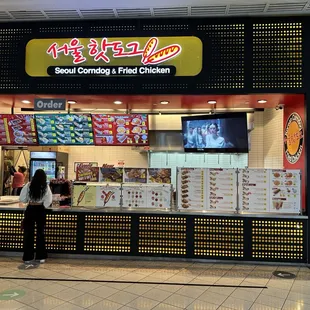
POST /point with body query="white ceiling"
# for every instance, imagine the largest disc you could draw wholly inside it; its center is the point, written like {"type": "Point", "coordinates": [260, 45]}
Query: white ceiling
{"type": "Point", "coordinates": [20, 10]}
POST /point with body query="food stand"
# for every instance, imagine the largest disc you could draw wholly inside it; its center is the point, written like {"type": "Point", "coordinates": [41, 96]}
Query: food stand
{"type": "Point", "coordinates": [219, 214]}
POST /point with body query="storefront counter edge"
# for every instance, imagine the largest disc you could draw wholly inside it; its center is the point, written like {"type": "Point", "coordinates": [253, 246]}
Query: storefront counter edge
{"type": "Point", "coordinates": [232, 237]}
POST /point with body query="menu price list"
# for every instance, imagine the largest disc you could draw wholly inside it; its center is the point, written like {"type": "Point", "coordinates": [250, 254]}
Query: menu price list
{"type": "Point", "coordinates": [191, 195]}
{"type": "Point", "coordinates": [254, 193]}
{"type": "Point", "coordinates": [70, 129]}
{"type": "Point", "coordinates": [123, 129]}
{"type": "Point", "coordinates": [17, 130]}
{"type": "Point", "coordinates": [285, 196]}
{"type": "Point", "coordinates": [222, 189]}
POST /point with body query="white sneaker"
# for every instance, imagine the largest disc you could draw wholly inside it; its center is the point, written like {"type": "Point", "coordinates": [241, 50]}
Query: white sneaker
{"type": "Point", "coordinates": [42, 261]}
{"type": "Point", "coordinates": [27, 262]}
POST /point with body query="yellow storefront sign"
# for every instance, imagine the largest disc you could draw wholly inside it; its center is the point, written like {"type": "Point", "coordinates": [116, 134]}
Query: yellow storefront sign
{"type": "Point", "coordinates": [145, 56]}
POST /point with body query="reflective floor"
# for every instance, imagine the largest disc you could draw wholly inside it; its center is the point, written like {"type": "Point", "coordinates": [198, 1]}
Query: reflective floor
{"type": "Point", "coordinates": [220, 287]}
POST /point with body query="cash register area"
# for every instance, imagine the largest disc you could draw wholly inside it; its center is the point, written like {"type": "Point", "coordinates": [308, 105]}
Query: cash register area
{"type": "Point", "coordinates": [76, 284]}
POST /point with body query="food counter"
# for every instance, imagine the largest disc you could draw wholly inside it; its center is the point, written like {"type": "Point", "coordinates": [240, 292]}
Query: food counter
{"type": "Point", "coordinates": [133, 227]}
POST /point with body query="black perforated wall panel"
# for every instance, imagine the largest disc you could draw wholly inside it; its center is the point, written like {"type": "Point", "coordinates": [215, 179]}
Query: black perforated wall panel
{"type": "Point", "coordinates": [171, 235]}
{"type": "Point", "coordinates": [277, 55]}
{"type": "Point", "coordinates": [239, 56]}
{"type": "Point", "coordinates": [162, 235]}
{"type": "Point", "coordinates": [219, 237]}
{"type": "Point", "coordinates": [226, 56]}
{"type": "Point", "coordinates": [107, 233]}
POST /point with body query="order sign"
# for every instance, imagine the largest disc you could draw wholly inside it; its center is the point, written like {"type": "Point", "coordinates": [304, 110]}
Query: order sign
{"type": "Point", "coordinates": [293, 138]}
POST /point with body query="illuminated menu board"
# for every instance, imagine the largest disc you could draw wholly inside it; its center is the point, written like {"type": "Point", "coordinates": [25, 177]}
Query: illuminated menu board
{"type": "Point", "coordinates": [17, 130]}
{"type": "Point", "coordinates": [64, 129]}
{"type": "Point", "coordinates": [120, 129]}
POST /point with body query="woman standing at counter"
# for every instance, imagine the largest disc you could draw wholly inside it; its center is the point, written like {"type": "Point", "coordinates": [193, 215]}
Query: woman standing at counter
{"type": "Point", "coordinates": [38, 196]}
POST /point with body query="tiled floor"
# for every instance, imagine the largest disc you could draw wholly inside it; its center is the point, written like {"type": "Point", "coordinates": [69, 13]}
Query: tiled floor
{"type": "Point", "coordinates": [223, 287]}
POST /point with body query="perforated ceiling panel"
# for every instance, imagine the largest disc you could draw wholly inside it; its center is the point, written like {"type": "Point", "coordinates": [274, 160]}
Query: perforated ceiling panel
{"type": "Point", "coordinates": [238, 56]}
{"type": "Point", "coordinates": [73, 10]}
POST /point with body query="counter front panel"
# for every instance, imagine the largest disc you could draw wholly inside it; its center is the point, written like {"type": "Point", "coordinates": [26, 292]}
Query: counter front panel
{"type": "Point", "coordinates": [242, 238]}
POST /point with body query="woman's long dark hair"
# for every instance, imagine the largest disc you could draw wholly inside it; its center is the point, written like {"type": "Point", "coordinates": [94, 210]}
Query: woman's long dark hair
{"type": "Point", "coordinates": [38, 185]}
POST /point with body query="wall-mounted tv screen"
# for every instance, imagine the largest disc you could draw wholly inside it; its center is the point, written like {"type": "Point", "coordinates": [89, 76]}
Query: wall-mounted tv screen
{"type": "Point", "coordinates": [217, 133]}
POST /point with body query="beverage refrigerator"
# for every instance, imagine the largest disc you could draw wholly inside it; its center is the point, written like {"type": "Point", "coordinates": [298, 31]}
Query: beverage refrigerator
{"type": "Point", "coordinates": [43, 160]}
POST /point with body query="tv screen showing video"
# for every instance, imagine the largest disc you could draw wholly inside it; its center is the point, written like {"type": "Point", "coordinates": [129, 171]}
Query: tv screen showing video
{"type": "Point", "coordinates": [218, 133]}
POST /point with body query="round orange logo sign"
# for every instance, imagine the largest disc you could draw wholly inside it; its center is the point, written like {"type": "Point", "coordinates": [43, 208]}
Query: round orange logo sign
{"type": "Point", "coordinates": [293, 138]}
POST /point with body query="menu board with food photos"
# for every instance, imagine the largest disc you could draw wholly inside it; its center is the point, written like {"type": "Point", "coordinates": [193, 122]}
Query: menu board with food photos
{"type": "Point", "coordinates": [286, 195]}
{"type": "Point", "coordinates": [17, 129]}
{"type": "Point", "coordinates": [159, 175]}
{"type": "Point", "coordinates": [259, 190]}
{"type": "Point", "coordinates": [254, 190]}
{"type": "Point", "coordinates": [135, 175]}
{"type": "Point", "coordinates": [192, 189]}
{"type": "Point", "coordinates": [87, 173]}
{"type": "Point", "coordinates": [113, 174]}
{"type": "Point", "coordinates": [64, 129]}
{"type": "Point", "coordinates": [122, 129]}
{"type": "Point", "coordinates": [222, 190]}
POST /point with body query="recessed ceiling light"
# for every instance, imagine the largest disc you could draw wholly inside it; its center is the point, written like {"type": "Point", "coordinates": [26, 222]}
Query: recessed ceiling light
{"type": "Point", "coordinates": [164, 102]}
{"type": "Point", "coordinates": [71, 102]}
{"type": "Point", "coordinates": [212, 101]}
{"type": "Point", "coordinates": [26, 101]}
{"type": "Point", "coordinates": [262, 101]}
{"type": "Point", "coordinates": [118, 102]}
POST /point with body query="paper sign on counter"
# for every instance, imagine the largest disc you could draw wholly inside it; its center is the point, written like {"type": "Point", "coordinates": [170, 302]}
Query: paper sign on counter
{"type": "Point", "coordinates": [108, 196]}
{"type": "Point", "coordinates": [285, 196]}
{"type": "Point", "coordinates": [159, 196]}
{"type": "Point", "coordinates": [191, 189]}
{"type": "Point", "coordinates": [134, 196]}
{"type": "Point", "coordinates": [84, 196]}
{"type": "Point", "coordinates": [222, 190]}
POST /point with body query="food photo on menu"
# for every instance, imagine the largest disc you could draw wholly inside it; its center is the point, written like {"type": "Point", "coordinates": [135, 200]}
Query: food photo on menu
{"type": "Point", "coordinates": [159, 175]}
{"type": "Point", "coordinates": [215, 133]}
{"type": "Point", "coordinates": [17, 130]}
{"type": "Point", "coordinates": [135, 175]}
{"type": "Point", "coordinates": [123, 129]}
{"type": "Point", "coordinates": [114, 174]}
